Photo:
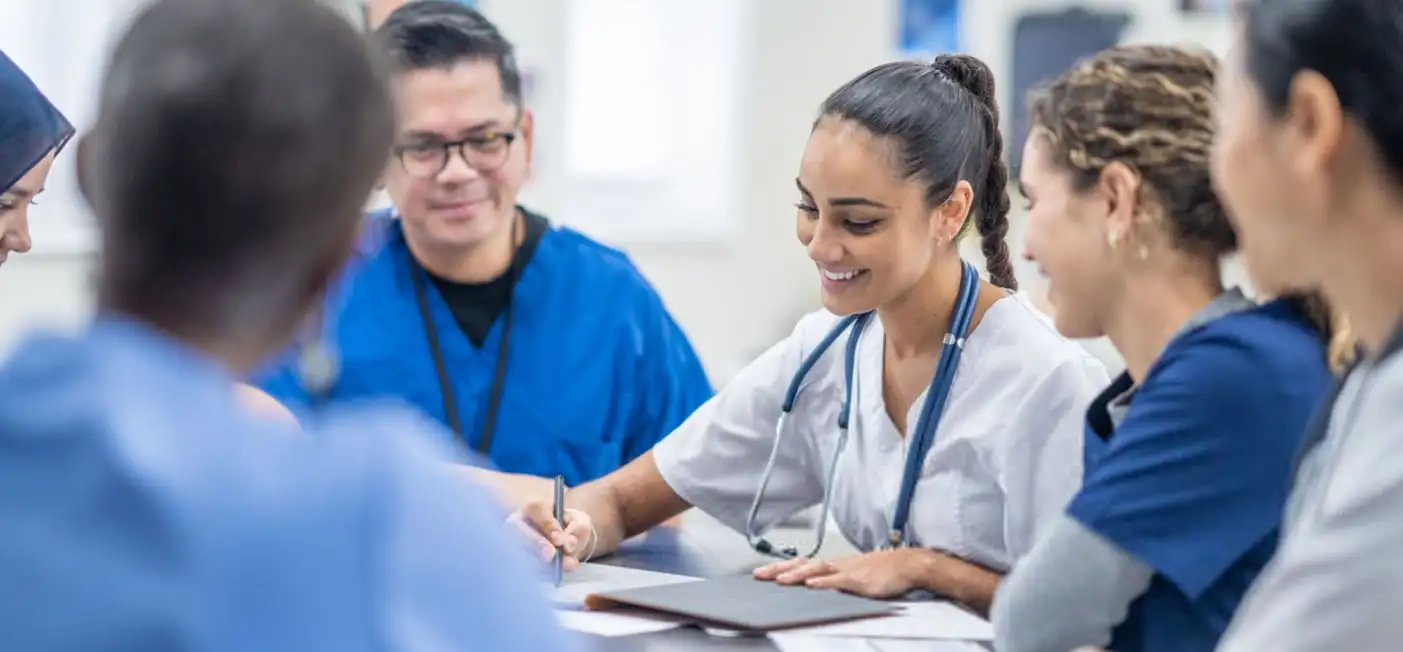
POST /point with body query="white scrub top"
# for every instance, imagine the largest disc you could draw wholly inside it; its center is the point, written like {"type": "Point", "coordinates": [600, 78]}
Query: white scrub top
{"type": "Point", "coordinates": [1006, 458]}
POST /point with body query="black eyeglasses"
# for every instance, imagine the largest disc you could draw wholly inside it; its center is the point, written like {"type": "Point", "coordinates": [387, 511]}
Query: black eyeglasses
{"type": "Point", "coordinates": [484, 152]}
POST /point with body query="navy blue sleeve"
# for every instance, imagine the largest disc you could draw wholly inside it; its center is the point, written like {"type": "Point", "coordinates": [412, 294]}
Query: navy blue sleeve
{"type": "Point", "coordinates": [671, 382]}
{"type": "Point", "coordinates": [1198, 472]}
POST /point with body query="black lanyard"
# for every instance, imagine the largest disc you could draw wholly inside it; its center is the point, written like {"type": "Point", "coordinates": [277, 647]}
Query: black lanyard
{"type": "Point", "coordinates": [499, 376]}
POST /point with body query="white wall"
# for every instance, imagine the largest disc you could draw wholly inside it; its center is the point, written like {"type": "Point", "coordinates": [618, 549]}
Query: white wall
{"type": "Point", "coordinates": [735, 295]}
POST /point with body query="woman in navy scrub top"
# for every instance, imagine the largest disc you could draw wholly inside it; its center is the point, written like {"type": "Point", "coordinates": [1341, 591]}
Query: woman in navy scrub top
{"type": "Point", "coordinates": [1189, 452]}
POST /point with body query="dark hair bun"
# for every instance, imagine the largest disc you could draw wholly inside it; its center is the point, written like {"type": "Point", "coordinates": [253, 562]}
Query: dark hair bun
{"type": "Point", "coordinates": [969, 72]}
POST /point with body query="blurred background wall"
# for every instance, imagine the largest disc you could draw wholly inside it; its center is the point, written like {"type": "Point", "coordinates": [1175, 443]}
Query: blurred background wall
{"type": "Point", "coordinates": [670, 128]}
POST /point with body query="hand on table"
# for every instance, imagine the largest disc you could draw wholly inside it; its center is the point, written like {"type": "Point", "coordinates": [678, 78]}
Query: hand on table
{"type": "Point", "coordinates": [880, 575]}
{"type": "Point", "coordinates": [536, 523]}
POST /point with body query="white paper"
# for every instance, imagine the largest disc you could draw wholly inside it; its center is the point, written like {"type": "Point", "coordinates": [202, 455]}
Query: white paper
{"type": "Point", "coordinates": [615, 622]}
{"type": "Point", "coordinates": [924, 621]}
{"type": "Point", "coordinates": [804, 642]}
{"type": "Point", "coordinates": [596, 578]}
{"type": "Point", "coordinates": [809, 643]}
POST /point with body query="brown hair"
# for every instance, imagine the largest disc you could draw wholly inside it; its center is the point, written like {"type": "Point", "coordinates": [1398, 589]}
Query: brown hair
{"type": "Point", "coordinates": [1342, 347]}
{"type": "Point", "coordinates": [1151, 108]}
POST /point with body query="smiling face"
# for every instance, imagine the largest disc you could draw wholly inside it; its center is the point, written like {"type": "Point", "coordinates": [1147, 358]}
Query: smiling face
{"type": "Point", "coordinates": [870, 233]}
{"type": "Point", "coordinates": [14, 208]}
{"type": "Point", "coordinates": [469, 198]}
{"type": "Point", "coordinates": [1067, 236]}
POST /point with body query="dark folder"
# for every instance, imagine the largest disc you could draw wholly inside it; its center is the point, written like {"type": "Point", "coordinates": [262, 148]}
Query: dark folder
{"type": "Point", "coordinates": [745, 604]}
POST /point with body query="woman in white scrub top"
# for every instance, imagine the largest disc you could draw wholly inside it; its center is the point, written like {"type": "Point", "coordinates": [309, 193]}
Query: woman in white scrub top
{"type": "Point", "coordinates": [900, 162]}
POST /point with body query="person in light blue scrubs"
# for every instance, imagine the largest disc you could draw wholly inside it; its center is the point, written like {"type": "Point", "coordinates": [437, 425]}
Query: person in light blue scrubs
{"type": "Point", "coordinates": [145, 508]}
{"type": "Point", "coordinates": [1189, 453]}
{"type": "Point", "coordinates": [538, 347]}
{"type": "Point", "coordinates": [32, 131]}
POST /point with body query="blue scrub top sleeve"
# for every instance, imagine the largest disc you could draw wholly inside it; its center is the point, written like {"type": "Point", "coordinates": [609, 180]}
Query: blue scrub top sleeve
{"type": "Point", "coordinates": [1198, 472]}
{"type": "Point", "coordinates": [671, 382]}
{"type": "Point", "coordinates": [452, 576]}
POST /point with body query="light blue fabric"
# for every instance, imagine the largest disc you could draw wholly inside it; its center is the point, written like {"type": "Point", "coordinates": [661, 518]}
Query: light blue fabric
{"type": "Point", "coordinates": [30, 126]}
{"type": "Point", "coordinates": [597, 370]}
{"type": "Point", "coordinates": [144, 509]}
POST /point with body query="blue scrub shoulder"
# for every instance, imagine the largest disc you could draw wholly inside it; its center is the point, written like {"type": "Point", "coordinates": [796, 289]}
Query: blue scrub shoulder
{"type": "Point", "coordinates": [596, 372]}
{"type": "Point", "coordinates": [1193, 481]}
{"type": "Point", "coordinates": [155, 505]}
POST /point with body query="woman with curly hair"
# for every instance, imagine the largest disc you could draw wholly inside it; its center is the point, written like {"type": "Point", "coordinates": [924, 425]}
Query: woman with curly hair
{"type": "Point", "coordinates": [1189, 452]}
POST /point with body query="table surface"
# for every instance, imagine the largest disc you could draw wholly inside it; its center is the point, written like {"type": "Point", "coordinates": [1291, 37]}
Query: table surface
{"type": "Point", "coordinates": [700, 547]}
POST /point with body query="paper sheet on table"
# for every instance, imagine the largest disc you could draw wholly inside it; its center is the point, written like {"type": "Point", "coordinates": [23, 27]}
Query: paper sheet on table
{"type": "Point", "coordinates": [807, 643]}
{"type": "Point", "coordinates": [595, 578]}
{"type": "Point", "coordinates": [925, 621]}
{"type": "Point", "coordinates": [616, 622]}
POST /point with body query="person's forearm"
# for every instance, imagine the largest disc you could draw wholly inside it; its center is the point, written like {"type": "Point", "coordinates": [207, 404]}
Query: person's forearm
{"type": "Point", "coordinates": [597, 500]}
{"type": "Point", "coordinates": [1072, 589]}
{"type": "Point", "coordinates": [959, 580]}
{"type": "Point", "coordinates": [626, 502]}
{"type": "Point", "coordinates": [514, 490]}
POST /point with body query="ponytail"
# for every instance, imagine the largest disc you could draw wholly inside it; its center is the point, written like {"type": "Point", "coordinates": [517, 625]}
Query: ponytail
{"type": "Point", "coordinates": [993, 202]}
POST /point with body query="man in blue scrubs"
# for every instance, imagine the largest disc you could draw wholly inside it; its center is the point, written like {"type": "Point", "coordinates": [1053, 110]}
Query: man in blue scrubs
{"type": "Point", "coordinates": [144, 506]}
{"type": "Point", "coordinates": [540, 348]}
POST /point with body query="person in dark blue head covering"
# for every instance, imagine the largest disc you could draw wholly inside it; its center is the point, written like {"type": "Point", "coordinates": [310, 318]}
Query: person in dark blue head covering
{"type": "Point", "coordinates": [32, 131]}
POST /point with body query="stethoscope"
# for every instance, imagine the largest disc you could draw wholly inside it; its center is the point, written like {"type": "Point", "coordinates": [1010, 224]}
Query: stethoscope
{"type": "Point", "coordinates": [319, 366]}
{"type": "Point", "coordinates": [922, 438]}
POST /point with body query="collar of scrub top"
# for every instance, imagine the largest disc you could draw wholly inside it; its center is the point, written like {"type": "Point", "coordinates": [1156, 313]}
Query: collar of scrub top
{"type": "Point", "coordinates": [921, 439]}
{"type": "Point", "coordinates": [499, 372]}
{"type": "Point", "coordinates": [30, 125]}
{"type": "Point", "coordinates": [320, 366]}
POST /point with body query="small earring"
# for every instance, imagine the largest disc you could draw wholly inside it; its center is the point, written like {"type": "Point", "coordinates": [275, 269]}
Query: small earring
{"type": "Point", "coordinates": [1112, 239]}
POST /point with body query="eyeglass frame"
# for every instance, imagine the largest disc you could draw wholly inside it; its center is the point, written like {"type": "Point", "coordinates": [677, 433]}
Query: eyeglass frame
{"type": "Point", "coordinates": [463, 146]}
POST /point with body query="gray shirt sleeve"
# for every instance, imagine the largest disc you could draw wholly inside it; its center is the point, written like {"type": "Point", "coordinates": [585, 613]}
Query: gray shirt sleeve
{"type": "Point", "coordinates": [1336, 582]}
{"type": "Point", "coordinates": [1072, 590]}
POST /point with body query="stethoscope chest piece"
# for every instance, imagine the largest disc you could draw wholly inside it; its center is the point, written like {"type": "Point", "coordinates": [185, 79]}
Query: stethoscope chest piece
{"type": "Point", "coordinates": [319, 367]}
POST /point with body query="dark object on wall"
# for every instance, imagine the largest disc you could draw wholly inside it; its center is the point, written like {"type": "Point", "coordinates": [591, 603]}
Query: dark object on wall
{"type": "Point", "coordinates": [1044, 46]}
{"type": "Point", "coordinates": [1211, 7]}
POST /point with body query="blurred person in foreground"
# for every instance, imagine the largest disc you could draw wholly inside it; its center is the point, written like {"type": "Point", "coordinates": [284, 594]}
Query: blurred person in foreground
{"type": "Point", "coordinates": [1309, 161]}
{"type": "Point", "coordinates": [32, 133]}
{"type": "Point", "coordinates": [145, 508]}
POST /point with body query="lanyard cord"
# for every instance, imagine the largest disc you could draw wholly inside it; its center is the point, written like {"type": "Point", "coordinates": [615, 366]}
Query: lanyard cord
{"type": "Point", "coordinates": [499, 375]}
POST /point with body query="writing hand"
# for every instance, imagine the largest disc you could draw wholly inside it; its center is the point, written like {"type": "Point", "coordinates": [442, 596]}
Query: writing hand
{"type": "Point", "coordinates": [537, 525]}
